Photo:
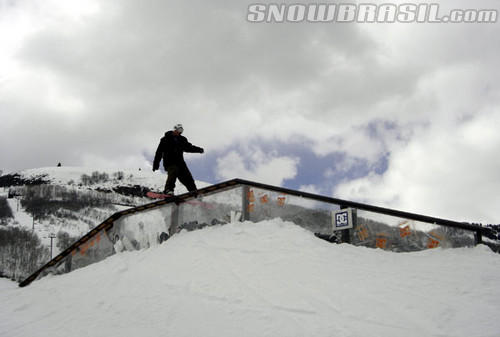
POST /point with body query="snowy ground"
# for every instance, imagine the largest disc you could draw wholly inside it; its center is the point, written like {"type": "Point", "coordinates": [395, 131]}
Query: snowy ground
{"type": "Point", "coordinates": [266, 279]}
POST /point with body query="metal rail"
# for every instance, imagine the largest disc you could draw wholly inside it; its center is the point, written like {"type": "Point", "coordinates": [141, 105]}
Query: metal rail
{"type": "Point", "coordinates": [366, 207]}
{"type": "Point", "coordinates": [108, 223]}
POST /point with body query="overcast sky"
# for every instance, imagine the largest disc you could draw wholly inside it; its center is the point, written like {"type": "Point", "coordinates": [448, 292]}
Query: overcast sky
{"type": "Point", "coordinates": [398, 115]}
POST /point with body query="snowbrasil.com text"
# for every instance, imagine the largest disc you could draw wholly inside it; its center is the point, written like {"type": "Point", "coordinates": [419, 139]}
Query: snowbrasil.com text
{"type": "Point", "coordinates": [366, 13]}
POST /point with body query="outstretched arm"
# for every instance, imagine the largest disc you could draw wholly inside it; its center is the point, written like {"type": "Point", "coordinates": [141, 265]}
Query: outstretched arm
{"type": "Point", "coordinates": [188, 147]}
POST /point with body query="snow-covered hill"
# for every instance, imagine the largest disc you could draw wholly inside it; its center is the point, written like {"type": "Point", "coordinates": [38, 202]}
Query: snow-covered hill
{"type": "Point", "coordinates": [117, 177]}
{"type": "Point", "coordinates": [68, 201]}
{"type": "Point", "coordinates": [262, 279]}
{"type": "Point", "coordinates": [113, 185]}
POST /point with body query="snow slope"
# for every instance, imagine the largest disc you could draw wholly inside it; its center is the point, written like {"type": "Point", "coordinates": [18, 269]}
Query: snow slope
{"type": "Point", "coordinates": [271, 278]}
{"type": "Point", "coordinates": [72, 175]}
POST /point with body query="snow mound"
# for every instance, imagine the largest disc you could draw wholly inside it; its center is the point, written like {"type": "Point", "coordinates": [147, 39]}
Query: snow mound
{"type": "Point", "coordinates": [271, 278]}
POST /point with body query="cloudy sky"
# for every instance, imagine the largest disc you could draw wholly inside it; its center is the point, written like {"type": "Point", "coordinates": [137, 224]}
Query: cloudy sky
{"type": "Point", "coordinates": [398, 115]}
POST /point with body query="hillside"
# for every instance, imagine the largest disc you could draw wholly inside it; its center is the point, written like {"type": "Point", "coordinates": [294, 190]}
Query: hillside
{"type": "Point", "coordinates": [271, 278]}
{"type": "Point", "coordinates": [65, 202]}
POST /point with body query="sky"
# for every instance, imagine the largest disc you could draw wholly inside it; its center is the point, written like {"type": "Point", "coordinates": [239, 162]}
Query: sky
{"type": "Point", "coordinates": [395, 114]}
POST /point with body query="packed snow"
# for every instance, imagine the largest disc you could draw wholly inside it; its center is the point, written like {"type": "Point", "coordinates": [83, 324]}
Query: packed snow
{"type": "Point", "coordinates": [271, 278]}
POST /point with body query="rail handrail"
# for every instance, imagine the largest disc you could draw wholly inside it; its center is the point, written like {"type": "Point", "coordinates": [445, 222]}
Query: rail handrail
{"type": "Point", "coordinates": [108, 223]}
{"type": "Point", "coordinates": [366, 207]}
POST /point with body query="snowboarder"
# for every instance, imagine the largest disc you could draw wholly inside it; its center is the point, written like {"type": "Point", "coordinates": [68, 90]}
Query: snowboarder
{"type": "Point", "coordinates": [171, 149]}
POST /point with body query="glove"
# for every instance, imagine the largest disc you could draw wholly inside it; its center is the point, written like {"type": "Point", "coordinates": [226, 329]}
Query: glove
{"type": "Point", "coordinates": [201, 150]}
{"type": "Point", "coordinates": [155, 168]}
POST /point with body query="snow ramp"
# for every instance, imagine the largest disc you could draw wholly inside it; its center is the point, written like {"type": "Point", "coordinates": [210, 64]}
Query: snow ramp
{"type": "Point", "coordinates": [241, 200]}
{"type": "Point", "coordinates": [269, 278]}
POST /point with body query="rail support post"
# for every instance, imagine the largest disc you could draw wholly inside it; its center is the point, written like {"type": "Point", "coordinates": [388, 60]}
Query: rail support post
{"type": "Point", "coordinates": [174, 220]}
{"type": "Point", "coordinates": [479, 237]}
{"type": "Point", "coordinates": [245, 211]}
{"type": "Point", "coordinates": [346, 233]}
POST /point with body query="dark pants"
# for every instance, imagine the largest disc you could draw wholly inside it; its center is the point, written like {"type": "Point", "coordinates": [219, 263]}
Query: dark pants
{"type": "Point", "coordinates": [180, 171]}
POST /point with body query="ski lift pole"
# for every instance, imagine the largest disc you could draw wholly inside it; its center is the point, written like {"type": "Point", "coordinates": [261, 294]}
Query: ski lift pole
{"type": "Point", "coordinates": [51, 236]}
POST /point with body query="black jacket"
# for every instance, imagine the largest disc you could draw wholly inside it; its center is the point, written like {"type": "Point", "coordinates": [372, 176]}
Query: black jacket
{"type": "Point", "coordinates": [171, 150]}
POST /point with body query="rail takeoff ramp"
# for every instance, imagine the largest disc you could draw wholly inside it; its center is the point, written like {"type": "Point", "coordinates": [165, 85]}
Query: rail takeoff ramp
{"type": "Point", "coordinates": [241, 200]}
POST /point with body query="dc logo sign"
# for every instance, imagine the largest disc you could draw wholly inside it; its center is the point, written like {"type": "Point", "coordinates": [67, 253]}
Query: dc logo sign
{"type": "Point", "coordinates": [342, 219]}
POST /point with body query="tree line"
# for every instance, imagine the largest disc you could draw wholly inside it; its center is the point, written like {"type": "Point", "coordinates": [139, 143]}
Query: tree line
{"type": "Point", "coordinates": [21, 253]}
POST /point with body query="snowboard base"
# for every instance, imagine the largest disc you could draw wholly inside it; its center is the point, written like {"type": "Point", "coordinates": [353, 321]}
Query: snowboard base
{"type": "Point", "coordinates": [194, 202]}
{"type": "Point", "coordinates": [155, 195]}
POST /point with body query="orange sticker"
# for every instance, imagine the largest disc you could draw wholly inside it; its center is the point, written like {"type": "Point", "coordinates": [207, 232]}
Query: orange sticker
{"type": "Point", "coordinates": [362, 233]}
{"type": "Point", "coordinates": [251, 207]}
{"type": "Point", "coordinates": [432, 243]}
{"type": "Point", "coordinates": [281, 201]}
{"type": "Point", "coordinates": [434, 240]}
{"type": "Point", "coordinates": [251, 196]}
{"type": "Point", "coordinates": [83, 249]}
{"type": "Point", "coordinates": [381, 243]}
{"type": "Point", "coordinates": [264, 199]}
{"type": "Point", "coordinates": [404, 231]}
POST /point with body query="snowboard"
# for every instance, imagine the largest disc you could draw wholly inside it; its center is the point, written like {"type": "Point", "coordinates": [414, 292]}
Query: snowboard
{"type": "Point", "coordinates": [194, 202]}
{"type": "Point", "coordinates": [154, 195]}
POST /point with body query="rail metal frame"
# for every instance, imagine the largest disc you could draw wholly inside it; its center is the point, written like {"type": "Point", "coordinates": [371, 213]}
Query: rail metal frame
{"type": "Point", "coordinates": [246, 184]}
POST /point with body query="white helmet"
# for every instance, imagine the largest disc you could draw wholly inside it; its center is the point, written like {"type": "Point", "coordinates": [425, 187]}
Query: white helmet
{"type": "Point", "coordinates": [178, 128]}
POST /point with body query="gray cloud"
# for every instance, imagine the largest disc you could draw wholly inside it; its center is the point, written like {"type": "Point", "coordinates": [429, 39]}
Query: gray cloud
{"type": "Point", "coordinates": [99, 86]}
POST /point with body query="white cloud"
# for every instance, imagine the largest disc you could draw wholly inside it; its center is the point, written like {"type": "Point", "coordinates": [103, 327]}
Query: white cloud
{"type": "Point", "coordinates": [97, 83]}
{"type": "Point", "coordinates": [132, 162]}
{"type": "Point", "coordinates": [343, 166]}
{"type": "Point", "coordinates": [449, 173]}
{"type": "Point", "coordinates": [257, 165]}
{"type": "Point", "coordinates": [310, 189]}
